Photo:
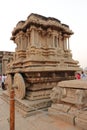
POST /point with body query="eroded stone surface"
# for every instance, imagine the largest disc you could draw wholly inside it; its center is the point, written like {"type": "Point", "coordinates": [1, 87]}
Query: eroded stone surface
{"type": "Point", "coordinates": [42, 58]}
{"type": "Point", "coordinates": [71, 106]}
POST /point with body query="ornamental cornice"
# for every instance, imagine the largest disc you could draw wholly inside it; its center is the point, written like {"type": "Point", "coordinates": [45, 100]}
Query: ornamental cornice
{"type": "Point", "coordinates": [43, 22]}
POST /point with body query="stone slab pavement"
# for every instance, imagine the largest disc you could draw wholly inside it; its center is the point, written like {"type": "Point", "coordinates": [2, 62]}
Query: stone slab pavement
{"type": "Point", "coordinates": [40, 121]}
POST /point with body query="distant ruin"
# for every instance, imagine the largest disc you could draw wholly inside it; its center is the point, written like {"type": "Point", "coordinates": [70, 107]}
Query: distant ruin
{"type": "Point", "coordinates": [5, 58]}
{"type": "Point", "coordinates": [42, 58]}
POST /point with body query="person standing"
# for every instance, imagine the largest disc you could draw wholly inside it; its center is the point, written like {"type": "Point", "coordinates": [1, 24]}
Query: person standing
{"type": "Point", "coordinates": [0, 80]}
{"type": "Point", "coordinates": [3, 80]}
{"type": "Point", "coordinates": [83, 76]}
{"type": "Point", "coordinates": [78, 76]}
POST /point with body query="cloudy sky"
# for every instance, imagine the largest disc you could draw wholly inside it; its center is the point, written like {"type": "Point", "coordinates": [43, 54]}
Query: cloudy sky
{"type": "Point", "coordinates": [70, 12]}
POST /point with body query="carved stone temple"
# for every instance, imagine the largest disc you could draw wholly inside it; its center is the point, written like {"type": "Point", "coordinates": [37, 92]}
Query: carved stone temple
{"type": "Point", "coordinates": [42, 58]}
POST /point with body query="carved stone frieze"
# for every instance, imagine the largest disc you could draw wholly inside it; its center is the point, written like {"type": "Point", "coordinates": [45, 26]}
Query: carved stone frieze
{"type": "Point", "coordinates": [57, 94]}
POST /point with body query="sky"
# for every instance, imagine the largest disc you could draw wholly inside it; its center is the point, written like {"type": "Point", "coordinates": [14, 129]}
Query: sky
{"type": "Point", "coordinates": [70, 12]}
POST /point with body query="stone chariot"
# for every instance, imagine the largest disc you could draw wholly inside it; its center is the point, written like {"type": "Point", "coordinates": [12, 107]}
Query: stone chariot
{"type": "Point", "coordinates": [42, 58]}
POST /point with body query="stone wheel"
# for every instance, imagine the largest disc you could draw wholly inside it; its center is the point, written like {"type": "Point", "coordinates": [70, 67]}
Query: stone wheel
{"type": "Point", "coordinates": [8, 82]}
{"type": "Point", "coordinates": [20, 86]}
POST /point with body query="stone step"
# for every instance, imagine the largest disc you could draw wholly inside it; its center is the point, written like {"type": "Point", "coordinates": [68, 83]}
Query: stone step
{"type": "Point", "coordinates": [26, 107]}
{"type": "Point", "coordinates": [69, 100]}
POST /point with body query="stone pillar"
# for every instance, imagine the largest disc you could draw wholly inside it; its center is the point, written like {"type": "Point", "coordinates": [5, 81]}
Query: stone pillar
{"type": "Point", "coordinates": [53, 40]}
{"type": "Point", "coordinates": [68, 44]}
{"type": "Point", "coordinates": [32, 38]}
{"type": "Point", "coordinates": [60, 41]}
{"type": "Point", "coordinates": [28, 38]}
{"type": "Point", "coordinates": [18, 42]}
{"type": "Point", "coordinates": [23, 41]}
{"type": "Point", "coordinates": [57, 42]}
{"type": "Point", "coordinates": [49, 38]}
{"type": "Point", "coordinates": [26, 41]}
{"type": "Point", "coordinates": [36, 38]}
{"type": "Point", "coordinates": [65, 44]}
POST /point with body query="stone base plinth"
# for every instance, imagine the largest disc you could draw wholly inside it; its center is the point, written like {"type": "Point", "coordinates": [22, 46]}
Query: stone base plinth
{"type": "Point", "coordinates": [71, 114]}
{"type": "Point", "coordinates": [26, 107]}
{"type": "Point", "coordinates": [81, 120]}
{"type": "Point", "coordinates": [61, 112]}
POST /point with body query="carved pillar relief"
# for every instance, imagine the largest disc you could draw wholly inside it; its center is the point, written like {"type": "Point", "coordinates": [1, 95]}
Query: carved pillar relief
{"type": "Point", "coordinates": [55, 42]}
{"type": "Point", "coordinates": [24, 41]}
{"type": "Point", "coordinates": [28, 38]}
{"type": "Point", "coordinates": [49, 38]}
{"type": "Point", "coordinates": [36, 38]}
{"type": "Point", "coordinates": [60, 41]}
{"type": "Point", "coordinates": [18, 42]}
{"type": "Point", "coordinates": [68, 44]}
{"type": "Point", "coordinates": [41, 38]}
{"type": "Point", "coordinates": [55, 39]}
{"type": "Point", "coordinates": [44, 39]}
{"type": "Point", "coordinates": [32, 36]}
{"type": "Point", "coordinates": [21, 40]}
{"type": "Point", "coordinates": [65, 43]}
{"type": "Point", "coordinates": [49, 41]}
{"type": "Point", "coordinates": [21, 37]}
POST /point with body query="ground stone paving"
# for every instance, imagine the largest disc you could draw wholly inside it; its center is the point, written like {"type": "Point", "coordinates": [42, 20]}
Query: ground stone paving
{"type": "Point", "coordinates": [40, 121]}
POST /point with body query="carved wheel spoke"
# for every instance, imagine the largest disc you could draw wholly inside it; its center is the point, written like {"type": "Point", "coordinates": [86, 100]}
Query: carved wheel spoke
{"type": "Point", "coordinates": [8, 82]}
{"type": "Point", "coordinates": [20, 86]}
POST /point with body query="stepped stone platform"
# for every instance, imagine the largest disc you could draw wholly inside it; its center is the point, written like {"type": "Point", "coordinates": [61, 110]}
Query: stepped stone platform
{"type": "Point", "coordinates": [70, 102]}
{"type": "Point", "coordinates": [26, 107]}
{"type": "Point", "coordinates": [38, 121]}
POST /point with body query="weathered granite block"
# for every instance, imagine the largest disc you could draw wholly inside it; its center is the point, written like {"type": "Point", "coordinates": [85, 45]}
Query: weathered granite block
{"type": "Point", "coordinates": [62, 115]}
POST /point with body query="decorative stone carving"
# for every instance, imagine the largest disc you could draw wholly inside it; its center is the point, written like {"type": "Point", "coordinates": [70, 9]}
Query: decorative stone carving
{"type": "Point", "coordinates": [40, 49]}
{"type": "Point", "coordinates": [80, 95]}
{"type": "Point", "coordinates": [73, 99]}
{"type": "Point", "coordinates": [57, 93]}
{"type": "Point", "coordinates": [19, 85]}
